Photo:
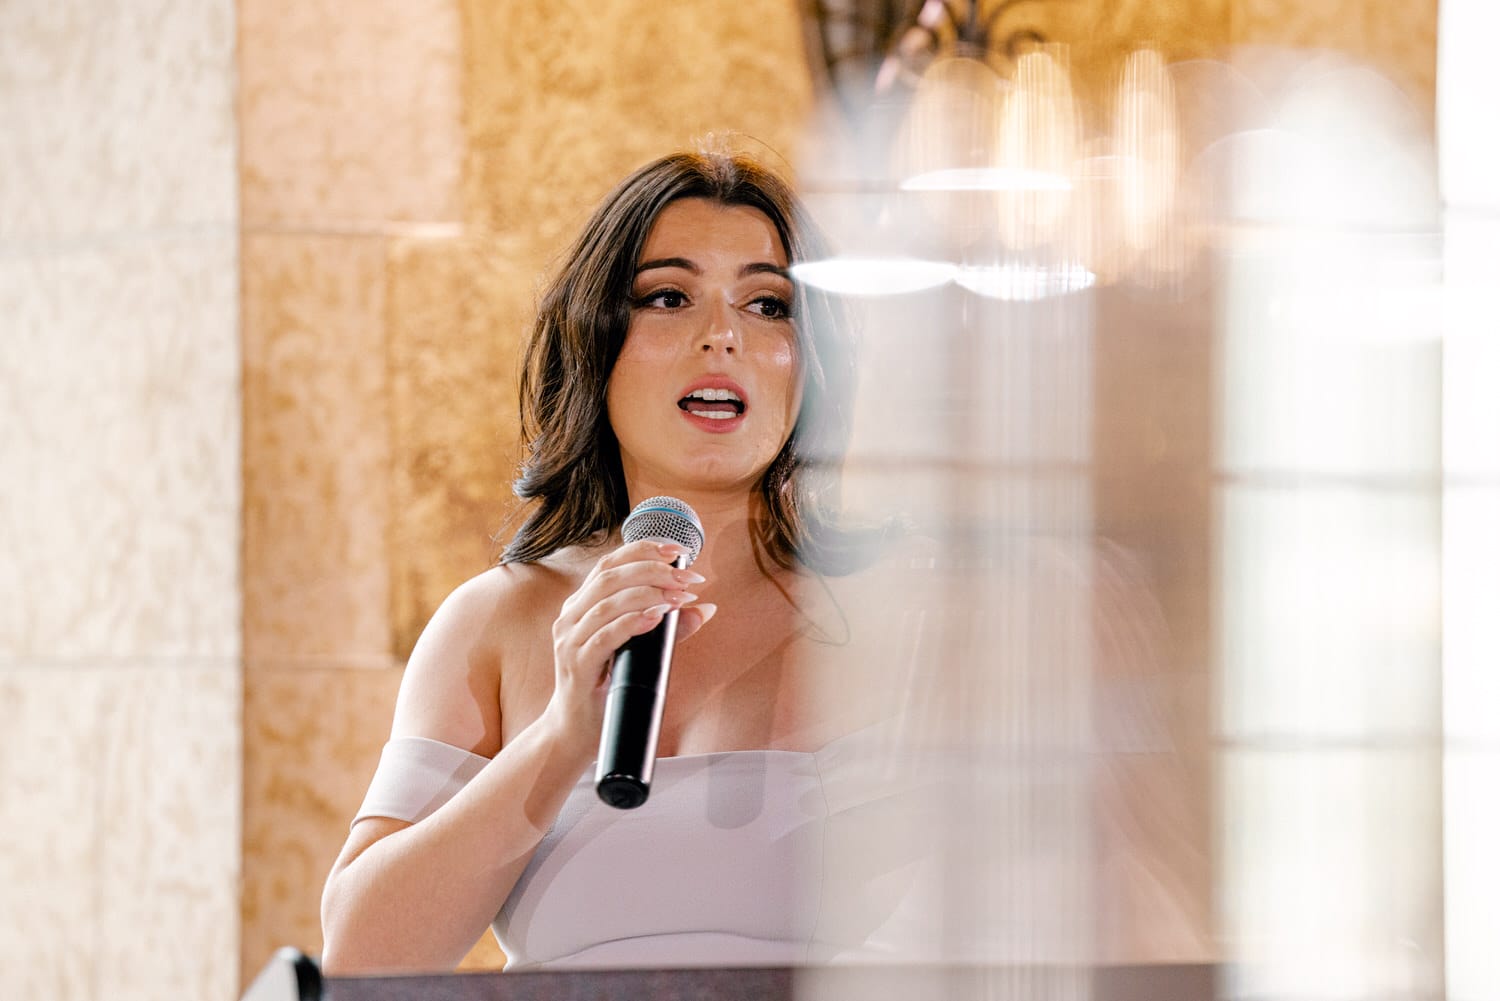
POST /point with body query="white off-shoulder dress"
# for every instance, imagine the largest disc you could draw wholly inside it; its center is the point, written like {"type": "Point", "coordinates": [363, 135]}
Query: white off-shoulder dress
{"type": "Point", "coordinates": [741, 858]}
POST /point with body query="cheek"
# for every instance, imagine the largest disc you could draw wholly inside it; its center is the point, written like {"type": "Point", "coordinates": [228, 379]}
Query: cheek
{"type": "Point", "coordinates": [789, 374]}
{"type": "Point", "coordinates": [623, 391]}
{"type": "Point", "coordinates": [636, 367]}
{"type": "Point", "coordinates": [639, 346]}
{"type": "Point", "coordinates": [789, 370]}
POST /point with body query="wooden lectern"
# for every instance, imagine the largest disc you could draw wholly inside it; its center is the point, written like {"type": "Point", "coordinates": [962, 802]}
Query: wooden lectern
{"type": "Point", "coordinates": [292, 976]}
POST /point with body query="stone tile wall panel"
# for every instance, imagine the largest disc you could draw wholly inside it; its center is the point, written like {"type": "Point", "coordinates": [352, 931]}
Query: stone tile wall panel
{"type": "Point", "coordinates": [120, 430]}
{"type": "Point", "coordinates": [115, 117]}
{"type": "Point", "coordinates": [563, 100]}
{"type": "Point", "coordinates": [312, 740]}
{"type": "Point", "coordinates": [349, 113]}
{"type": "Point", "coordinates": [458, 313]}
{"type": "Point", "coordinates": [317, 452]}
{"type": "Point", "coordinates": [120, 851]}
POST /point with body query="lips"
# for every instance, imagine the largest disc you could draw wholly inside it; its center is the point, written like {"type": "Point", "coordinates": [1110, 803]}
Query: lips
{"type": "Point", "coordinates": [714, 403]}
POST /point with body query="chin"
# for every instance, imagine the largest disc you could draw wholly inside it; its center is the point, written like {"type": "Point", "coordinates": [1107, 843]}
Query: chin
{"type": "Point", "coordinates": [708, 474]}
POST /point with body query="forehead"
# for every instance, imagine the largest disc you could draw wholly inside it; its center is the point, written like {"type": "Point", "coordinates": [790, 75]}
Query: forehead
{"type": "Point", "coordinates": [695, 228]}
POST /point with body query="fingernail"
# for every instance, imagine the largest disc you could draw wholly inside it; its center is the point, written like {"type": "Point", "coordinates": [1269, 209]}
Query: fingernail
{"type": "Point", "coordinates": [656, 610]}
{"type": "Point", "coordinates": [681, 597]}
{"type": "Point", "coordinates": [688, 577]}
{"type": "Point", "coordinates": [671, 549]}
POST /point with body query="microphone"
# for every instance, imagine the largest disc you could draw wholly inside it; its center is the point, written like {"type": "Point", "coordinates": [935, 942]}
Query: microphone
{"type": "Point", "coordinates": [638, 674]}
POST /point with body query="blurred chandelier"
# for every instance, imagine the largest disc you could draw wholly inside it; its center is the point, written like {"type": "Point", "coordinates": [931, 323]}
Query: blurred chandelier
{"type": "Point", "coordinates": [962, 105]}
{"type": "Point", "coordinates": [971, 161]}
{"type": "Point", "coordinates": [865, 50]}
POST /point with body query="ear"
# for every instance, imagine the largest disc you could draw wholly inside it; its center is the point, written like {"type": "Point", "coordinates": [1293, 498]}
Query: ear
{"type": "Point", "coordinates": [693, 618]}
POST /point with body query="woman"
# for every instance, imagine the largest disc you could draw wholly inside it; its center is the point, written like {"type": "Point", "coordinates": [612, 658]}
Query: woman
{"type": "Point", "coordinates": [672, 355]}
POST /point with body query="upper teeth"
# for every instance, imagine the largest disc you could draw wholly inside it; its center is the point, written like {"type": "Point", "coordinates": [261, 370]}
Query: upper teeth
{"type": "Point", "coordinates": [714, 394]}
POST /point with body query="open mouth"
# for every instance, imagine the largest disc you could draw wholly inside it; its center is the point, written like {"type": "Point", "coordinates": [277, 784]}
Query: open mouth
{"type": "Point", "coordinates": [714, 404]}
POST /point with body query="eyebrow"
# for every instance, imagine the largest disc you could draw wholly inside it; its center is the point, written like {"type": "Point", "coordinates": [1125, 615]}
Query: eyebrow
{"type": "Point", "coordinates": [756, 268]}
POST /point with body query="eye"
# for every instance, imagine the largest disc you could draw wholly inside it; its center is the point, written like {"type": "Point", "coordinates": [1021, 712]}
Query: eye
{"type": "Point", "coordinates": [772, 307]}
{"type": "Point", "coordinates": [667, 298]}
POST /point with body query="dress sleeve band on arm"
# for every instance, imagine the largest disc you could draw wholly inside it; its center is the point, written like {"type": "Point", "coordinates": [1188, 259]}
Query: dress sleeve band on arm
{"type": "Point", "coordinates": [416, 776]}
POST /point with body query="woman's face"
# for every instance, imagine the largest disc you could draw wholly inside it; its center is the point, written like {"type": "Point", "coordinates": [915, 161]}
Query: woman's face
{"type": "Point", "coordinates": [708, 382]}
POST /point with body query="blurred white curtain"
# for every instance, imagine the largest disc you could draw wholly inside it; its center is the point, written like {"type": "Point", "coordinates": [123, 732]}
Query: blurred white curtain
{"type": "Point", "coordinates": [1329, 509]}
{"type": "Point", "coordinates": [1469, 169]}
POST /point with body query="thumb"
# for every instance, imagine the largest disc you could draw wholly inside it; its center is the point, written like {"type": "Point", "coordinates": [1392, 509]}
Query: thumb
{"type": "Point", "coordinates": [694, 618]}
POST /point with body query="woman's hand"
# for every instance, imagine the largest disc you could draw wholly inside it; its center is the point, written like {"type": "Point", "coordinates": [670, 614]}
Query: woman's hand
{"type": "Point", "coordinates": [625, 594]}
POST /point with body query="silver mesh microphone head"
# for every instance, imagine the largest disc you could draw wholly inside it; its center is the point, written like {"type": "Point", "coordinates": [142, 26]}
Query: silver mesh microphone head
{"type": "Point", "coordinates": [665, 519]}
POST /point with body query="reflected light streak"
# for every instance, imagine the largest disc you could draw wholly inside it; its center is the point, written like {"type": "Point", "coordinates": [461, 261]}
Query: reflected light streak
{"type": "Point", "coordinates": [1148, 163]}
{"type": "Point", "coordinates": [1038, 125]}
{"type": "Point", "coordinates": [951, 122]}
{"type": "Point", "coordinates": [1037, 133]}
{"type": "Point", "coordinates": [1025, 282]}
{"type": "Point", "coordinates": [877, 276]}
{"type": "Point", "coordinates": [987, 179]}
{"type": "Point", "coordinates": [874, 276]}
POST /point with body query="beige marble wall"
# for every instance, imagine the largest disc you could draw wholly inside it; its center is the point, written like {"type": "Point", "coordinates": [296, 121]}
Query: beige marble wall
{"type": "Point", "coordinates": [119, 513]}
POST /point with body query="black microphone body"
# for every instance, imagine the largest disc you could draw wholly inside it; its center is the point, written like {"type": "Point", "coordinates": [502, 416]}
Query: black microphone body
{"type": "Point", "coordinates": [639, 674]}
{"type": "Point", "coordinates": [632, 714]}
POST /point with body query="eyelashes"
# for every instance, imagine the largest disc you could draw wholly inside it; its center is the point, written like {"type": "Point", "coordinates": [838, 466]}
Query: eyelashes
{"type": "Point", "coordinates": [772, 307]}
{"type": "Point", "coordinates": [659, 298]}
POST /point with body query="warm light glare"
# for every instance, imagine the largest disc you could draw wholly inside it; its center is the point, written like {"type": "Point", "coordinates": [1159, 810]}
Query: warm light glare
{"type": "Point", "coordinates": [1037, 133]}
{"type": "Point", "coordinates": [1149, 164]}
{"type": "Point", "coordinates": [1025, 283]}
{"type": "Point", "coordinates": [1147, 147]}
{"type": "Point", "coordinates": [1038, 124]}
{"type": "Point", "coordinates": [874, 276]}
{"type": "Point", "coordinates": [951, 122]}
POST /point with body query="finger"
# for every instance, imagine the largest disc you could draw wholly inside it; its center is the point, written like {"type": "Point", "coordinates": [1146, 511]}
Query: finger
{"type": "Point", "coordinates": [642, 583]}
{"type": "Point", "coordinates": [642, 550]}
{"type": "Point", "coordinates": [597, 650]}
{"type": "Point", "coordinates": [640, 573]}
{"type": "Point", "coordinates": [633, 599]}
{"type": "Point", "coordinates": [694, 618]}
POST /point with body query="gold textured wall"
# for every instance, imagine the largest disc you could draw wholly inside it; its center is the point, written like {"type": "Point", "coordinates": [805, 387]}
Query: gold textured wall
{"type": "Point", "coordinates": [409, 168]}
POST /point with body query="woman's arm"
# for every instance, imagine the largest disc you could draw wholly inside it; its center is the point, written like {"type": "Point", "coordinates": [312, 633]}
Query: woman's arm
{"type": "Point", "coordinates": [417, 896]}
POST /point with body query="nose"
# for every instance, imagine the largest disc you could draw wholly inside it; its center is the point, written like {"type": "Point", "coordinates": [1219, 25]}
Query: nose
{"type": "Point", "coordinates": [719, 332]}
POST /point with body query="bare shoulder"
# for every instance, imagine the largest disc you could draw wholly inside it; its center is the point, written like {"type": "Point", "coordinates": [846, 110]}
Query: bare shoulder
{"type": "Point", "coordinates": [450, 689]}
{"type": "Point", "coordinates": [490, 627]}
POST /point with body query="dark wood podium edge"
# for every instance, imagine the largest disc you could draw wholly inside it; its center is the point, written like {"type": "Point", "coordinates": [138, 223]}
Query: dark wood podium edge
{"type": "Point", "coordinates": [1148, 982]}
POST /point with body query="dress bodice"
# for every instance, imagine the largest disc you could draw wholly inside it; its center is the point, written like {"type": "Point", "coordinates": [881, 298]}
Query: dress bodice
{"type": "Point", "coordinates": [737, 858]}
{"type": "Point", "coordinates": [723, 860]}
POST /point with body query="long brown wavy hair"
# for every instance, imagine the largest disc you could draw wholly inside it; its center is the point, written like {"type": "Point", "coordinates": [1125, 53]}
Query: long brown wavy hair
{"type": "Point", "coordinates": [571, 470]}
